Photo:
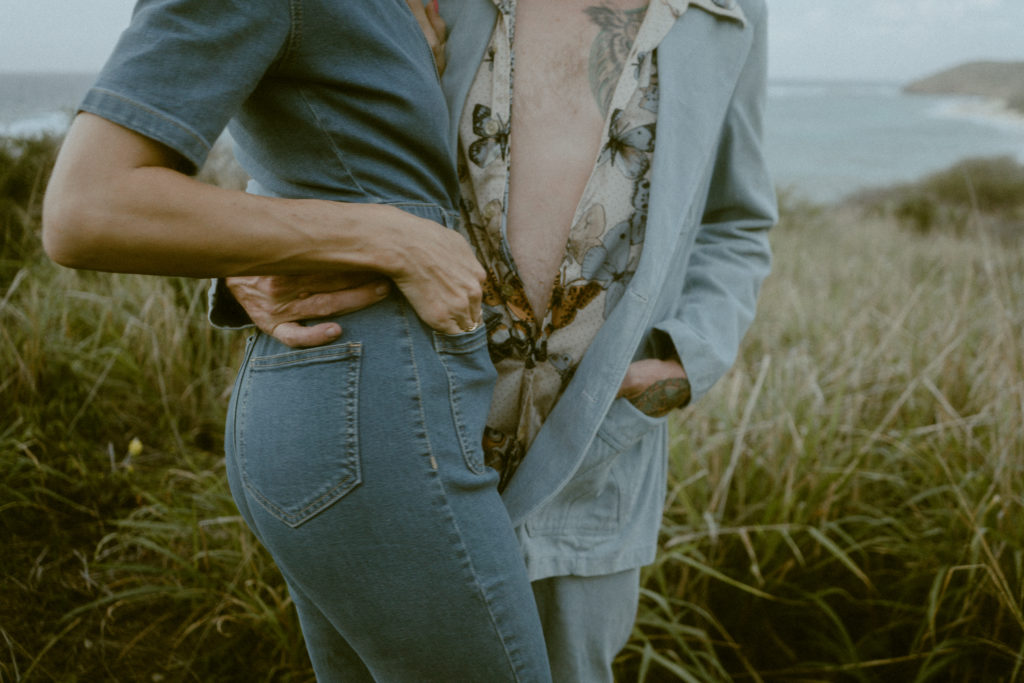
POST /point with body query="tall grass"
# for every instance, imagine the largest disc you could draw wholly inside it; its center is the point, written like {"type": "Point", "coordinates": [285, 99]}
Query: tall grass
{"type": "Point", "coordinates": [951, 200]}
{"type": "Point", "coordinates": [122, 563]}
{"type": "Point", "coordinates": [846, 504]}
{"type": "Point", "coordinates": [843, 506]}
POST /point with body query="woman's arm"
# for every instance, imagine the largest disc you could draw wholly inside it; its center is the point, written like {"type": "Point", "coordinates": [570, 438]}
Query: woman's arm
{"type": "Point", "coordinates": [117, 202]}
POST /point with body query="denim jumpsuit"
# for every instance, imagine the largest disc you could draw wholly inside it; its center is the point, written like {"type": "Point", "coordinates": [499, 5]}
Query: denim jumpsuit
{"type": "Point", "coordinates": [357, 464]}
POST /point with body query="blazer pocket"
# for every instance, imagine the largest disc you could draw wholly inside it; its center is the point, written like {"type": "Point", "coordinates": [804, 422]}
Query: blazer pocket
{"type": "Point", "coordinates": [600, 496]}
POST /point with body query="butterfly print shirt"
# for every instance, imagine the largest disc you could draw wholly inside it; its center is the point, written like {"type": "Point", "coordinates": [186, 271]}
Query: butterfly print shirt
{"type": "Point", "coordinates": [536, 353]}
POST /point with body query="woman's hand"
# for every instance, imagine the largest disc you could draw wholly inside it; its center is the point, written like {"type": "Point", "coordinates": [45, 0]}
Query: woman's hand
{"type": "Point", "coordinates": [656, 387]}
{"type": "Point", "coordinates": [429, 19]}
{"type": "Point", "coordinates": [438, 273]}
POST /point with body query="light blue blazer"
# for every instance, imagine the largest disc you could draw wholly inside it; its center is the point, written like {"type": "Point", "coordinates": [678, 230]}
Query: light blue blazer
{"type": "Point", "coordinates": [704, 258]}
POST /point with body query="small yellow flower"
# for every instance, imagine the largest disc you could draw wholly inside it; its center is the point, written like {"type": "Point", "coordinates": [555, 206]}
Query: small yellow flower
{"type": "Point", "coordinates": [135, 447]}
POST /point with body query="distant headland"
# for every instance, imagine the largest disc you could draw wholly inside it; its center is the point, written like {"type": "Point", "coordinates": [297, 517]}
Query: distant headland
{"type": "Point", "coordinates": [999, 80]}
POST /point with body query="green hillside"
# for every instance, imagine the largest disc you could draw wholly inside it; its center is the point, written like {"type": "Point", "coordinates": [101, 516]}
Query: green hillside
{"type": "Point", "coordinates": [1000, 80]}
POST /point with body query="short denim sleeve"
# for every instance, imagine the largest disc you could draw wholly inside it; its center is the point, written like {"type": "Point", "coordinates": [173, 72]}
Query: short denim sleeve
{"type": "Point", "coordinates": [182, 68]}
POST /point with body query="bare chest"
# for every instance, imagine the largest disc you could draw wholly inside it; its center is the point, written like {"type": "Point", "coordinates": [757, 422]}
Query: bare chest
{"type": "Point", "coordinates": [569, 54]}
{"type": "Point", "coordinates": [568, 58]}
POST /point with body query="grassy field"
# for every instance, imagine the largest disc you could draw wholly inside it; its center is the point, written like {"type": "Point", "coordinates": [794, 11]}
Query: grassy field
{"type": "Point", "coordinates": [845, 505]}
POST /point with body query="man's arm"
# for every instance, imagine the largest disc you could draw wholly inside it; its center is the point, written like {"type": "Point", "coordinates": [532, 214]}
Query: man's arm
{"type": "Point", "coordinates": [731, 255]}
{"type": "Point", "coordinates": [656, 387]}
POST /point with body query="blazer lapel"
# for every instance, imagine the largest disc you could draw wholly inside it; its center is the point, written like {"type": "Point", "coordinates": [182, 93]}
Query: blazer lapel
{"type": "Point", "coordinates": [698, 64]}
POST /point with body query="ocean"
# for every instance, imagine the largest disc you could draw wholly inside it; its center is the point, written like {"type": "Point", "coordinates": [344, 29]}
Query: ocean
{"type": "Point", "coordinates": [34, 103]}
{"type": "Point", "coordinates": [823, 139]}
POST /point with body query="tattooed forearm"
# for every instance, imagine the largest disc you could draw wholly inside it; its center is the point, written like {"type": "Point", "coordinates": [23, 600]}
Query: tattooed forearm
{"type": "Point", "coordinates": [608, 52]}
{"type": "Point", "coordinates": [663, 396]}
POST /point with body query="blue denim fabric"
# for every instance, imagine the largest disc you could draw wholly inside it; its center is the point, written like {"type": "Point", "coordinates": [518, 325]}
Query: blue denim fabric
{"type": "Point", "coordinates": [358, 465]}
{"type": "Point", "coordinates": [332, 99]}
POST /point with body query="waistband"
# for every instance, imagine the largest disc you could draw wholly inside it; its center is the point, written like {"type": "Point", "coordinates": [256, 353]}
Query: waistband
{"type": "Point", "coordinates": [446, 217]}
{"type": "Point", "coordinates": [450, 218]}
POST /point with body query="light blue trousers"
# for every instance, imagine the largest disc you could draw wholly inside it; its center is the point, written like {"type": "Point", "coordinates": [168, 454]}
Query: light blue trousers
{"type": "Point", "coordinates": [587, 621]}
{"type": "Point", "coordinates": [358, 465]}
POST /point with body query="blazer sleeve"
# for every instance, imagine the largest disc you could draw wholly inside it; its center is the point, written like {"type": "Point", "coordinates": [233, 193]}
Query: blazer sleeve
{"type": "Point", "coordinates": [731, 256]}
{"type": "Point", "coordinates": [223, 310]}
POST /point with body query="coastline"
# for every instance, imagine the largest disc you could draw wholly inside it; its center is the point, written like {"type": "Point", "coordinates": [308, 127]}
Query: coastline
{"type": "Point", "coordinates": [998, 81]}
{"type": "Point", "coordinates": [825, 139]}
{"type": "Point", "coordinates": [986, 110]}
{"type": "Point", "coordinates": [828, 140]}
{"type": "Point", "coordinates": [1008, 109]}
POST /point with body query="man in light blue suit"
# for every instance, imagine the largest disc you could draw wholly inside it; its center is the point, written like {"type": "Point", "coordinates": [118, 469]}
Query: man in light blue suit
{"type": "Point", "coordinates": [625, 248]}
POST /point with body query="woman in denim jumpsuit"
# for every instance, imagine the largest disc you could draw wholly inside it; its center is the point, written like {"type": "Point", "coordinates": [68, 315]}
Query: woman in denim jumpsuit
{"type": "Point", "coordinates": [358, 463]}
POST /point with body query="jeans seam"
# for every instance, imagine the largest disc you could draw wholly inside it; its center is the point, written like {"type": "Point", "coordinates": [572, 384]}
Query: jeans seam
{"type": "Point", "coordinates": [467, 561]}
{"type": "Point", "coordinates": [454, 401]}
{"type": "Point", "coordinates": [460, 547]}
{"type": "Point", "coordinates": [241, 405]}
{"type": "Point", "coordinates": [424, 432]}
{"type": "Point", "coordinates": [336, 152]}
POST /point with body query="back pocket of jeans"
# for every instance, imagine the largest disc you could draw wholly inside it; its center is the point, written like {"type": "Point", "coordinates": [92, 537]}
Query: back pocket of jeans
{"type": "Point", "coordinates": [298, 437]}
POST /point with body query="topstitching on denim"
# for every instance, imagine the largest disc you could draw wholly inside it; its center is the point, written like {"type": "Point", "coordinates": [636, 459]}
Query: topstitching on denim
{"type": "Point", "coordinates": [625, 424]}
{"type": "Point", "coordinates": [337, 366]}
{"type": "Point", "coordinates": [291, 45]}
{"type": "Point", "coordinates": [451, 350]}
{"type": "Point", "coordinates": [449, 218]}
{"type": "Point", "coordinates": [457, 543]}
{"type": "Point", "coordinates": [151, 122]}
{"type": "Point", "coordinates": [339, 156]}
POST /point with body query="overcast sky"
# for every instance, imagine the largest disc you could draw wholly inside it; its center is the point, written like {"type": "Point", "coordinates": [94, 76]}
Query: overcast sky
{"type": "Point", "coordinates": [850, 39]}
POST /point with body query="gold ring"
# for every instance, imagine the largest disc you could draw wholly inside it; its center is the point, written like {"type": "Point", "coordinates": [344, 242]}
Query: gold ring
{"type": "Point", "coordinates": [474, 328]}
